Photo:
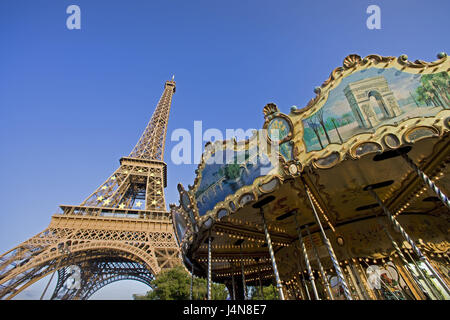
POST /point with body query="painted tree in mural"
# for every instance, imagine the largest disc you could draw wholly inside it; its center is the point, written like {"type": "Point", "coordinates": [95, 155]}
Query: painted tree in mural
{"type": "Point", "coordinates": [333, 120]}
{"type": "Point", "coordinates": [315, 127]}
{"type": "Point", "coordinates": [434, 89]}
{"type": "Point", "coordinates": [423, 96]}
{"type": "Point", "coordinates": [319, 117]}
{"type": "Point", "coordinates": [414, 99]}
{"type": "Point", "coordinates": [441, 83]}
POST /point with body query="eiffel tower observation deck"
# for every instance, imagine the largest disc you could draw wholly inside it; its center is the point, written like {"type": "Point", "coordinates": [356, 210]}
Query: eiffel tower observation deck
{"type": "Point", "coordinates": [121, 231]}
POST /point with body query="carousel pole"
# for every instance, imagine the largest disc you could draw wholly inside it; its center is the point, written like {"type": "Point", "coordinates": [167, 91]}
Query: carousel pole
{"type": "Point", "coordinates": [244, 286]}
{"type": "Point", "coordinates": [435, 265]}
{"type": "Point", "coordinates": [408, 239]}
{"type": "Point", "coordinates": [329, 248]}
{"type": "Point", "coordinates": [209, 268]}
{"type": "Point", "coordinates": [192, 283]}
{"type": "Point", "coordinates": [272, 256]}
{"type": "Point", "coordinates": [322, 272]}
{"type": "Point", "coordinates": [232, 281]}
{"type": "Point", "coordinates": [259, 276]}
{"type": "Point", "coordinates": [434, 291]}
{"type": "Point", "coordinates": [299, 284]}
{"type": "Point", "coordinates": [301, 280]}
{"type": "Point", "coordinates": [304, 282]}
{"type": "Point", "coordinates": [305, 256]}
{"type": "Point", "coordinates": [356, 271]}
{"type": "Point", "coordinates": [384, 284]}
{"type": "Point", "coordinates": [355, 283]}
{"type": "Point", "coordinates": [362, 274]}
{"type": "Point", "coordinates": [402, 257]}
{"type": "Point", "coordinates": [445, 200]}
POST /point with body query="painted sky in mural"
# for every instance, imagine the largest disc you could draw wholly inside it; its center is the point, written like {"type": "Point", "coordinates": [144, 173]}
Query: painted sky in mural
{"type": "Point", "coordinates": [373, 97]}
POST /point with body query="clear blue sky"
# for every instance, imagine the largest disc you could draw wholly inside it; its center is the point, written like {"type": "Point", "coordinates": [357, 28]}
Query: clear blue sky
{"type": "Point", "coordinates": [72, 102]}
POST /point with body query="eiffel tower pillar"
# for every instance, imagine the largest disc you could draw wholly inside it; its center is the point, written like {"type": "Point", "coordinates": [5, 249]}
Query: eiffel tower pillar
{"type": "Point", "coordinates": [121, 231]}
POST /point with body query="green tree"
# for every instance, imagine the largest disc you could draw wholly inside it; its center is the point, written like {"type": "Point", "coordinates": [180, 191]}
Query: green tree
{"type": "Point", "coordinates": [175, 284]}
{"type": "Point", "coordinates": [218, 291]}
{"type": "Point", "coordinates": [270, 293]}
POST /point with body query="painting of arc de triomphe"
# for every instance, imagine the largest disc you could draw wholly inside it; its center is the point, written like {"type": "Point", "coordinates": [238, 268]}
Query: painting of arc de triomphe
{"type": "Point", "coordinates": [358, 95]}
{"type": "Point", "coordinates": [370, 98]}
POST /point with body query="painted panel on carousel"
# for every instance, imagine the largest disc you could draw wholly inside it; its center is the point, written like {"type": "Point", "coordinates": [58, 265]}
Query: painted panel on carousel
{"type": "Point", "coordinates": [180, 225]}
{"type": "Point", "coordinates": [278, 130]}
{"type": "Point", "coordinates": [370, 98]}
{"type": "Point", "coordinates": [226, 171]}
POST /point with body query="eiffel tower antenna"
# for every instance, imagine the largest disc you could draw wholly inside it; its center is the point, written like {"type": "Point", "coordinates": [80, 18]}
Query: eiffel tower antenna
{"type": "Point", "coordinates": [152, 142]}
{"type": "Point", "coordinates": [121, 231]}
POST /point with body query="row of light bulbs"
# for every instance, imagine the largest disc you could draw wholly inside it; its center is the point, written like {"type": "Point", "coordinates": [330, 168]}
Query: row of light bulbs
{"type": "Point", "coordinates": [251, 271]}
{"type": "Point", "coordinates": [257, 225]}
{"type": "Point", "coordinates": [316, 203]}
{"type": "Point", "coordinates": [417, 194]}
{"type": "Point", "coordinates": [249, 238]}
{"type": "Point", "coordinates": [261, 259]}
{"type": "Point", "coordinates": [240, 260]}
{"type": "Point", "coordinates": [257, 278]}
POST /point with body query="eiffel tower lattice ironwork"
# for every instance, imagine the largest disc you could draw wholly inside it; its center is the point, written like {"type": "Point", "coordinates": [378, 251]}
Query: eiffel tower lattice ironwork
{"type": "Point", "coordinates": [121, 231]}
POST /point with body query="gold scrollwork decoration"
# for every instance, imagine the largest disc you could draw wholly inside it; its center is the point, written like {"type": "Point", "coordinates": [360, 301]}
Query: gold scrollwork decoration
{"type": "Point", "coordinates": [419, 133]}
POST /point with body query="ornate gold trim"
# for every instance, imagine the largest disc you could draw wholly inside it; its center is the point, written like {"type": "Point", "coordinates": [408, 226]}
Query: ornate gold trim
{"type": "Point", "coordinates": [351, 64]}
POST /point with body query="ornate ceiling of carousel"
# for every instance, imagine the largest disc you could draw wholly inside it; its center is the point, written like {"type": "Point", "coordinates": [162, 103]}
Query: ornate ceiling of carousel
{"type": "Point", "coordinates": [353, 135]}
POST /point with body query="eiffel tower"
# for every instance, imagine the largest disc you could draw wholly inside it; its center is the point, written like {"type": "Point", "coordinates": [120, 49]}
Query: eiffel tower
{"type": "Point", "coordinates": [121, 231]}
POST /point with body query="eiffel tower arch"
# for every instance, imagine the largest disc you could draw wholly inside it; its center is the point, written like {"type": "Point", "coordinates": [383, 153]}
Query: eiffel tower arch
{"type": "Point", "coordinates": [121, 231]}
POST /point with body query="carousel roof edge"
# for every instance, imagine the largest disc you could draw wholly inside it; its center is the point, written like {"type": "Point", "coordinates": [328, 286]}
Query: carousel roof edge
{"type": "Point", "coordinates": [341, 114]}
{"type": "Point", "coordinates": [237, 145]}
{"type": "Point", "coordinates": [351, 64]}
{"type": "Point", "coordinates": [193, 222]}
{"type": "Point", "coordinates": [354, 62]}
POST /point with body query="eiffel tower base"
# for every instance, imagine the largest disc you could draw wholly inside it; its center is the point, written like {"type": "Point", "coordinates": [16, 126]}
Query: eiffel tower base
{"type": "Point", "coordinates": [106, 249]}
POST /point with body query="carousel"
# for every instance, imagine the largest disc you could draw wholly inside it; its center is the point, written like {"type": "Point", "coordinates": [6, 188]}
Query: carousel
{"type": "Point", "coordinates": [344, 199]}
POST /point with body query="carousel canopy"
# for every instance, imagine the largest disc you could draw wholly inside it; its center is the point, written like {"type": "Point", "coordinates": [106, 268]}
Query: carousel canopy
{"type": "Point", "coordinates": [355, 137]}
